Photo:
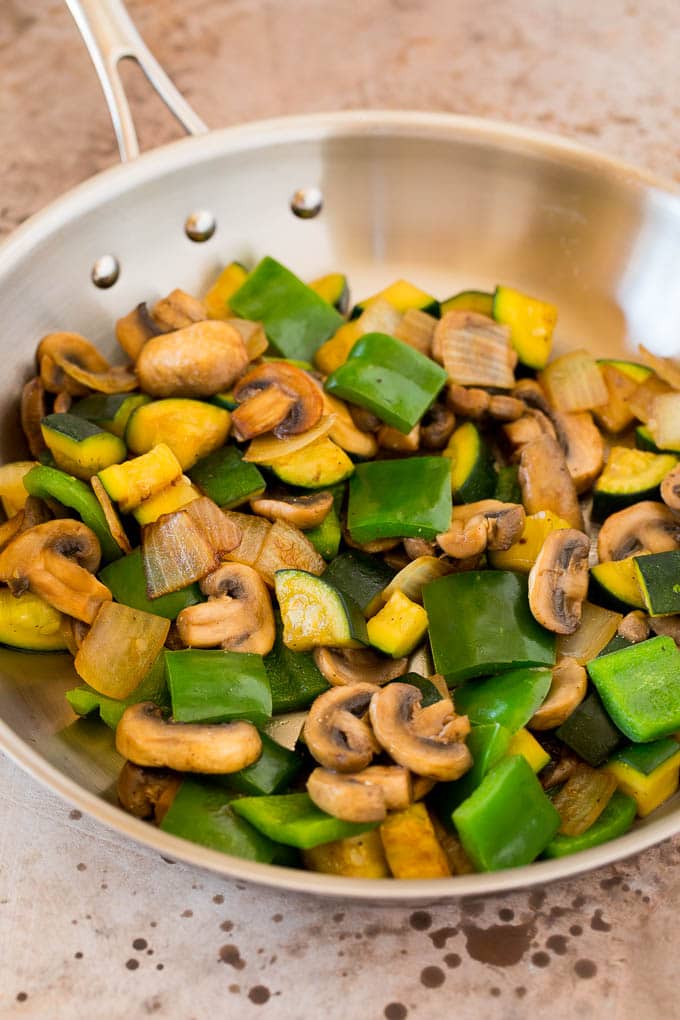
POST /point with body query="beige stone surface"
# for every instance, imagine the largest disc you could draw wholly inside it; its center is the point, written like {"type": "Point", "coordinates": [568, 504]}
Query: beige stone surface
{"type": "Point", "coordinates": [94, 926]}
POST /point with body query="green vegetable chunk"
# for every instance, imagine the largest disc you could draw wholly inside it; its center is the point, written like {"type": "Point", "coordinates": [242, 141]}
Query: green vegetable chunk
{"type": "Point", "coordinates": [360, 576]}
{"type": "Point", "coordinates": [295, 318]}
{"type": "Point", "coordinates": [216, 686]}
{"type": "Point", "coordinates": [508, 820]}
{"type": "Point", "coordinates": [84, 700]}
{"type": "Point", "coordinates": [509, 699]}
{"type": "Point", "coordinates": [391, 379]}
{"type": "Point", "coordinates": [487, 745]}
{"type": "Point", "coordinates": [399, 499]}
{"type": "Point", "coordinates": [590, 732]}
{"type": "Point", "coordinates": [294, 677]}
{"type": "Point", "coordinates": [227, 479]}
{"type": "Point", "coordinates": [295, 820]}
{"type": "Point", "coordinates": [50, 483]}
{"type": "Point", "coordinates": [273, 771]}
{"type": "Point", "coordinates": [658, 575]}
{"type": "Point", "coordinates": [639, 688]}
{"type": "Point", "coordinates": [507, 485]}
{"type": "Point", "coordinates": [430, 693]}
{"type": "Point", "coordinates": [111, 411]}
{"type": "Point", "coordinates": [615, 820]}
{"type": "Point", "coordinates": [203, 813]}
{"type": "Point", "coordinates": [480, 624]}
{"type": "Point", "coordinates": [326, 537]}
{"type": "Point", "coordinates": [645, 758]}
{"type": "Point", "coordinates": [126, 581]}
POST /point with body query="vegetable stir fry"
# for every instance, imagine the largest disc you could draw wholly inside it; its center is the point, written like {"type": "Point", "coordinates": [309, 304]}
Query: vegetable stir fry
{"type": "Point", "coordinates": [332, 576]}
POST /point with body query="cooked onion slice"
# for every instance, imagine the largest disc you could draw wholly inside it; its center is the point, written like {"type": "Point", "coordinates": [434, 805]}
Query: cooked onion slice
{"type": "Point", "coordinates": [412, 578]}
{"type": "Point", "coordinates": [114, 379]}
{"type": "Point", "coordinates": [267, 449]}
{"type": "Point", "coordinates": [667, 369]}
{"type": "Point", "coordinates": [286, 547]}
{"type": "Point", "coordinates": [574, 382]}
{"type": "Point", "coordinates": [112, 518]}
{"type": "Point", "coordinates": [176, 550]}
{"type": "Point", "coordinates": [222, 533]}
{"type": "Point", "coordinates": [253, 531]}
{"type": "Point", "coordinates": [120, 648]}
{"type": "Point", "coordinates": [474, 350]}
{"type": "Point", "coordinates": [664, 424]}
{"type": "Point", "coordinates": [253, 336]}
{"type": "Point", "coordinates": [596, 629]}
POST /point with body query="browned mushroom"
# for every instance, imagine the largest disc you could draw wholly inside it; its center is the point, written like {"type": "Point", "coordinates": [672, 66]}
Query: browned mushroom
{"type": "Point", "coordinates": [304, 512]}
{"type": "Point", "coordinates": [57, 561]}
{"type": "Point", "coordinates": [583, 446]}
{"type": "Point", "coordinates": [364, 796]}
{"type": "Point", "coordinates": [196, 361]}
{"type": "Point", "coordinates": [147, 793]}
{"type": "Point", "coordinates": [364, 419]}
{"type": "Point", "coordinates": [276, 397]}
{"type": "Point", "coordinates": [134, 329]}
{"type": "Point", "coordinates": [237, 616]}
{"type": "Point", "coordinates": [487, 524]}
{"type": "Point", "coordinates": [416, 547]}
{"type": "Point", "coordinates": [670, 489]}
{"type": "Point", "coordinates": [634, 627]}
{"type": "Point", "coordinates": [546, 483]}
{"type": "Point", "coordinates": [567, 690]}
{"type": "Point", "coordinates": [436, 427]}
{"type": "Point", "coordinates": [646, 527]}
{"type": "Point", "coordinates": [468, 401]}
{"type": "Point", "coordinates": [77, 351]}
{"type": "Point", "coordinates": [336, 732]}
{"type": "Point", "coordinates": [33, 410]}
{"type": "Point", "coordinates": [503, 407]}
{"type": "Point", "coordinates": [558, 581]}
{"type": "Point", "coordinates": [346, 666]}
{"type": "Point", "coordinates": [177, 310]}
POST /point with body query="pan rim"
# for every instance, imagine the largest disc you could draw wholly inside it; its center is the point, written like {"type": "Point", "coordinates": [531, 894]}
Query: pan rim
{"type": "Point", "coordinates": [115, 180]}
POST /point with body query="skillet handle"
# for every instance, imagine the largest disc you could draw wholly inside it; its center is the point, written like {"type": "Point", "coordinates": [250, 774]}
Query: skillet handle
{"type": "Point", "coordinates": [110, 37]}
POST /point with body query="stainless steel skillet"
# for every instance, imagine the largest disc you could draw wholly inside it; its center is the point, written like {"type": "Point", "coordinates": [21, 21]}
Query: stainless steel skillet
{"type": "Point", "coordinates": [447, 201]}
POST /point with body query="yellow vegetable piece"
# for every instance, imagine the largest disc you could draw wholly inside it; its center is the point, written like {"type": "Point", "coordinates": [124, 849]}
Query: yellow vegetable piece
{"type": "Point", "coordinates": [172, 497]}
{"type": "Point", "coordinates": [402, 295]}
{"type": "Point", "coordinates": [359, 856]}
{"type": "Point", "coordinates": [619, 578]}
{"type": "Point", "coordinates": [647, 791]}
{"type": "Point", "coordinates": [28, 622]}
{"type": "Point", "coordinates": [523, 554]}
{"type": "Point", "coordinates": [12, 491]}
{"type": "Point", "coordinates": [398, 627]}
{"type": "Point", "coordinates": [191, 428]}
{"type": "Point", "coordinates": [320, 464]}
{"type": "Point", "coordinates": [140, 478]}
{"type": "Point", "coordinates": [596, 629]}
{"type": "Point", "coordinates": [344, 432]}
{"type": "Point", "coordinates": [531, 323]}
{"type": "Point", "coordinates": [227, 283]}
{"type": "Point", "coordinates": [334, 352]}
{"type": "Point", "coordinates": [525, 744]}
{"type": "Point", "coordinates": [411, 845]}
{"type": "Point", "coordinates": [120, 649]}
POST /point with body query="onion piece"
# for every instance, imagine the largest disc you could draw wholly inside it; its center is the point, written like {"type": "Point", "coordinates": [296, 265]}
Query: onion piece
{"type": "Point", "coordinates": [176, 550]}
{"type": "Point", "coordinates": [120, 648]}
{"type": "Point", "coordinates": [253, 336]}
{"type": "Point", "coordinates": [115, 379]}
{"type": "Point", "coordinates": [379, 317]}
{"type": "Point", "coordinates": [474, 350]}
{"type": "Point", "coordinates": [664, 423]}
{"type": "Point", "coordinates": [642, 399]}
{"type": "Point", "coordinates": [267, 449]}
{"type": "Point", "coordinates": [287, 548]}
{"type": "Point", "coordinates": [253, 530]}
{"type": "Point", "coordinates": [416, 329]}
{"type": "Point", "coordinates": [574, 382]}
{"type": "Point", "coordinates": [112, 518]}
{"type": "Point", "coordinates": [667, 369]}
{"type": "Point", "coordinates": [583, 798]}
{"type": "Point", "coordinates": [598, 626]}
{"type": "Point", "coordinates": [223, 534]}
{"type": "Point", "coordinates": [414, 576]}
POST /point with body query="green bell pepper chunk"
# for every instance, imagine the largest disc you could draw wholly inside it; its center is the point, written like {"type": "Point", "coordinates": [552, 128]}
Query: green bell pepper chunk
{"type": "Point", "coordinates": [360, 576]}
{"type": "Point", "coordinates": [326, 537]}
{"type": "Point", "coordinates": [225, 478]}
{"type": "Point", "coordinates": [487, 745]}
{"type": "Point", "coordinates": [390, 378]}
{"type": "Point", "coordinates": [216, 686]}
{"type": "Point", "coordinates": [273, 772]}
{"type": "Point", "coordinates": [85, 701]}
{"type": "Point", "coordinates": [203, 813]}
{"type": "Point", "coordinates": [657, 575]}
{"type": "Point", "coordinates": [399, 499]}
{"type": "Point", "coordinates": [126, 581]}
{"type": "Point", "coordinates": [509, 699]}
{"type": "Point", "coordinates": [111, 411]}
{"type": "Point", "coordinates": [508, 489]}
{"type": "Point", "coordinates": [51, 483]}
{"type": "Point", "coordinates": [294, 677]}
{"type": "Point", "coordinates": [296, 320]}
{"type": "Point", "coordinates": [590, 732]}
{"type": "Point", "coordinates": [639, 688]}
{"type": "Point", "coordinates": [615, 820]}
{"type": "Point", "coordinates": [480, 623]}
{"type": "Point", "coordinates": [295, 820]}
{"type": "Point", "coordinates": [508, 820]}
{"type": "Point", "coordinates": [430, 693]}
{"type": "Point", "coordinates": [645, 758]}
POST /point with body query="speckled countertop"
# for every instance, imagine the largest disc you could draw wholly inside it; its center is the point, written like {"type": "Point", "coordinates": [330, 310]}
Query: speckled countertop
{"type": "Point", "coordinates": [92, 925]}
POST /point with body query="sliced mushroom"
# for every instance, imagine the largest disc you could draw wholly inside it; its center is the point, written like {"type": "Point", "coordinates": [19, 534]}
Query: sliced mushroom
{"type": "Point", "coordinates": [237, 616]}
{"type": "Point", "coordinates": [416, 547]}
{"type": "Point", "coordinates": [530, 426]}
{"type": "Point", "coordinates": [57, 561]}
{"type": "Point", "coordinates": [196, 361]}
{"type": "Point", "coordinates": [546, 483]}
{"type": "Point", "coordinates": [667, 625]}
{"type": "Point", "coordinates": [147, 793]}
{"type": "Point", "coordinates": [558, 581]}
{"type": "Point", "coordinates": [303, 511]}
{"type": "Point", "coordinates": [646, 527]}
{"type": "Point", "coordinates": [634, 627]}
{"type": "Point", "coordinates": [583, 446]}
{"type": "Point", "coordinates": [378, 545]}
{"type": "Point", "coordinates": [503, 407]}
{"type": "Point", "coordinates": [487, 524]}
{"type": "Point", "coordinates": [364, 796]}
{"type": "Point", "coordinates": [62, 402]}
{"type": "Point", "coordinates": [670, 489]}
{"type": "Point", "coordinates": [364, 419]}
{"type": "Point", "coordinates": [134, 329]}
{"type": "Point", "coordinates": [294, 393]}
{"type": "Point", "coordinates": [33, 410]}
{"type": "Point", "coordinates": [532, 394]}
{"type": "Point", "coordinates": [337, 733]}
{"type": "Point", "coordinates": [437, 427]}
{"type": "Point", "coordinates": [145, 737]}
{"type": "Point", "coordinates": [343, 667]}
{"type": "Point", "coordinates": [428, 741]}
{"type": "Point", "coordinates": [58, 352]}
{"type": "Point", "coordinates": [567, 690]}
{"type": "Point", "coordinates": [178, 310]}
{"type": "Point", "coordinates": [34, 512]}
{"type": "Point", "coordinates": [468, 401]}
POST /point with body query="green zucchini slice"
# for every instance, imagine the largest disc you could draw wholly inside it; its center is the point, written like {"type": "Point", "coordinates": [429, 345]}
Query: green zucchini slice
{"type": "Point", "coordinates": [629, 477]}
{"type": "Point", "coordinates": [472, 472]}
{"type": "Point", "coordinates": [79, 446]}
{"type": "Point", "coordinates": [658, 576]}
{"type": "Point", "coordinates": [314, 613]}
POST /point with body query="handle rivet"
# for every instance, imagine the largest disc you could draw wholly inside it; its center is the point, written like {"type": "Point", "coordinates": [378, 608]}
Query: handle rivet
{"type": "Point", "coordinates": [307, 203]}
{"type": "Point", "coordinates": [200, 225]}
{"type": "Point", "coordinates": [105, 271]}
